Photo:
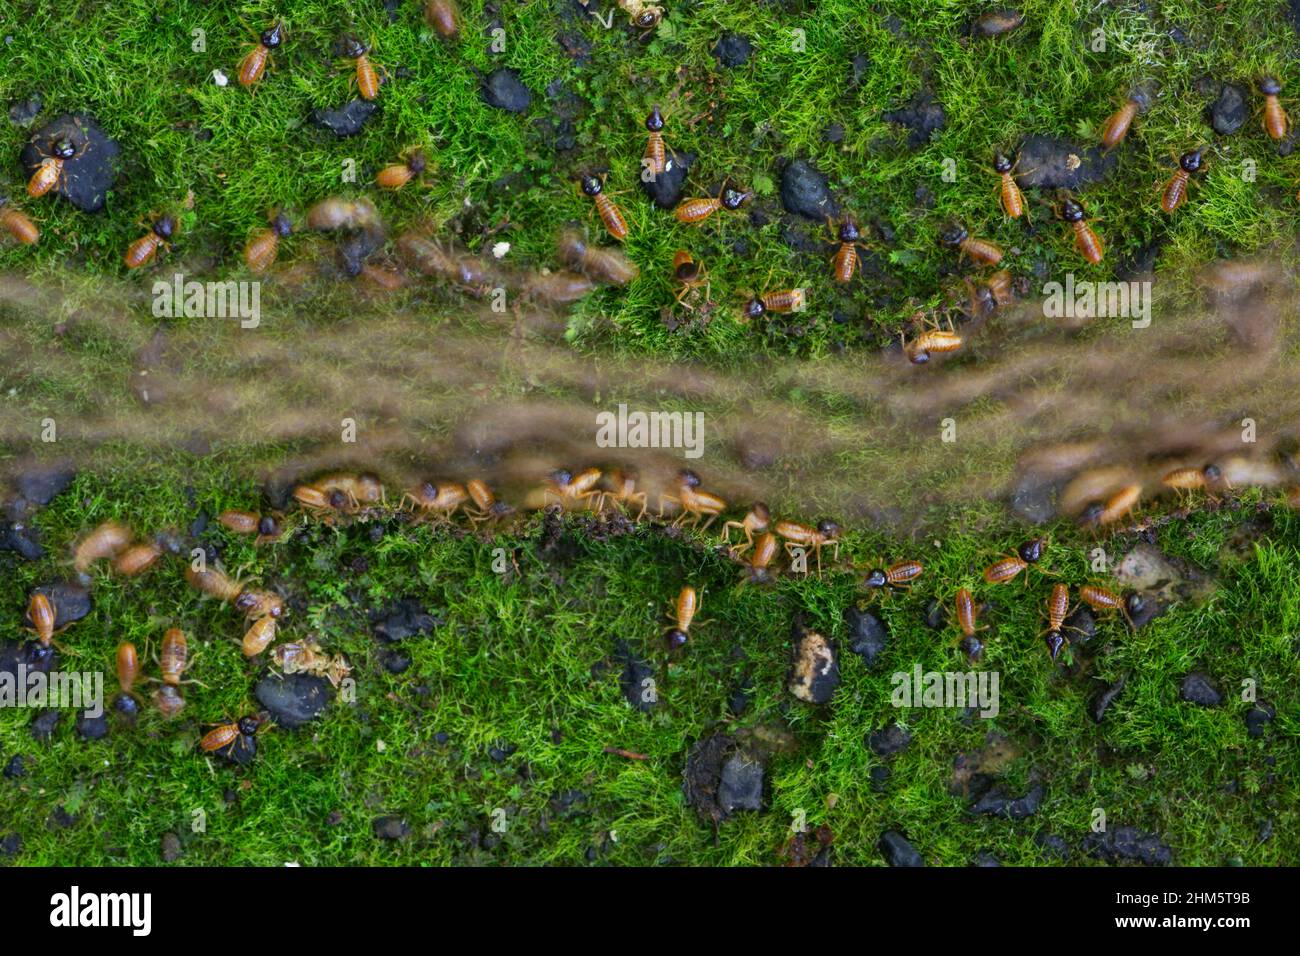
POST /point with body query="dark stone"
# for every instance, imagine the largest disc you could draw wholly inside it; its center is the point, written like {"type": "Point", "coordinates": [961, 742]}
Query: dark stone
{"type": "Point", "coordinates": [127, 706]}
{"type": "Point", "coordinates": [833, 133]}
{"type": "Point", "coordinates": [733, 50]}
{"type": "Point", "coordinates": [1128, 843]}
{"type": "Point", "coordinates": [22, 539]}
{"type": "Point", "coordinates": [1080, 627]}
{"type": "Point", "coordinates": [935, 618]}
{"type": "Point", "coordinates": [11, 845]}
{"type": "Point", "coordinates": [441, 738]}
{"type": "Point", "coordinates": [805, 192]}
{"type": "Point", "coordinates": [1142, 610]}
{"type": "Point", "coordinates": [1046, 161]}
{"type": "Point", "coordinates": [14, 769]}
{"type": "Point", "coordinates": [346, 120]}
{"type": "Point", "coordinates": [702, 775]}
{"type": "Point", "coordinates": [171, 848]}
{"type": "Point", "coordinates": [566, 804]}
{"type": "Point", "coordinates": [985, 858]}
{"type": "Point", "coordinates": [898, 850]}
{"type": "Point", "coordinates": [879, 777]}
{"type": "Point", "coordinates": [889, 740]}
{"type": "Point", "coordinates": [92, 170]}
{"type": "Point", "coordinates": [395, 661]}
{"type": "Point", "coordinates": [1034, 498]}
{"type": "Point", "coordinates": [43, 725]}
{"type": "Point", "coordinates": [293, 700]}
{"type": "Point", "coordinates": [575, 46]}
{"type": "Point", "coordinates": [636, 680]}
{"type": "Point", "coordinates": [1102, 700]}
{"type": "Point", "coordinates": [1053, 844]}
{"type": "Point", "coordinates": [24, 112]}
{"type": "Point", "coordinates": [71, 603]}
{"type": "Point", "coordinates": [1229, 111]}
{"type": "Point", "coordinates": [995, 803]}
{"type": "Point", "coordinates": [39, 485]}
{"type": "Point", "coordinates": [406, 618]}
{"type": "Point", "coordinates": [390, 828]}
{"type": "Point", "coordinates": [867, 634]}
{"type": "Point", "coordinates": [500, 753]}
{"type": "Point", "coordinates": [1258, 718]}
{"type": "Point", "coordinates": [922, 116]}
{"type": "Point", "coordinates": [740, 786]}
{"type": "Point", "coordinates": [62, 818]}
{"type": "Point", "coordinates": [666, 189]}
{"type": "Point", "coordinates": [740, 698]}
{"type": "Point", "coordinates": [502, 89]}
{"type": "Point", "coordinates": [860, 64]}
{"type": "Point", "coordinates": [92, 728]}
{"type": "Point", "coordinates": [1197, 688]}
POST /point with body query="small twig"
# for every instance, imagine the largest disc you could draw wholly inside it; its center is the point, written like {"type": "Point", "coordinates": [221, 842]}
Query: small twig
{"type": "Point", "coordinates": [630, 755]}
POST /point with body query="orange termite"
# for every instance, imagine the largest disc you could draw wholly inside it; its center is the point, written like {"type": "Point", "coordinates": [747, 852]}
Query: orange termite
{"type": "Point", "coordinates": [1117, 126]}
{"type": "Point", "coordinates": [569, 488]}
{"type": "Point", "coordinates": [1175, 193]}
{"type": "Point", "coordinates": [682, 613]}
{"type": "Point", "coordinates": [782, 301]}
{"type": "Point", "coordinates": [137, 559]}
{"type": "Point", "coordinates": [259, 636]}
{"type": "Point", "coordinates": [254, 64]}
{"type": "Point", "coordinates": [174, 660]}
{"type": "Point", "coordinates": [755, 521]}
{"type": "Point", "coordinates": [259, 604]}
{"type": "Point", "coordinates": [214, 583]}
{"type": "Point", "coordinates": [825, 535]}
{"type": "Point", "coordinates": [106, 541]}
{"type": "Point", "coordinates": [1086, 240]}
{"type": "Point", "coordinates": [18, 224]}
{"type": "Point", "coordinates": [1119, 504]}
{"type": "Point", "coordinates": [979, 250]}
{"type": "Point", "coordinates": [655, 158]}
{"type": "Point", "coordinates": [622, 491]}
{"type": "Point", "coordinates": [1275, 121]}
{"type": "Point", "coordinates": [698, 210]}
{"type": "Point", "coordinates": [756, 568]}
{"type": "Point", "coordinates": [931, 341]}
{"type": "Point", "coordinates": [899, 574]}
{"type": "Point", "coordinates": [226, 736]}
{"type": "Point", "coordinates": [1013, 200]}
{"type": "Point", "coordinates": [844, 264]}
{"type": "Point", "coordinates": [610, 214]}
{"type": "Point", "coordinates": [443, 16]}
{"type": "Point", "coordinates": [49, 174]}
{"type": "Point", "coordinates": [367, 77]}
{"type": "Point", "coordinates": [41, 611]}
{"type": "Point", "coordinates": [966, 613]}
{"type": "Point", "coordinates": [440, 500]}
{"type": "Point", "coordinates": [128, 667]}
{"type": "Point", "coordinates": [1100, 599]}
{"type": "Point", "coordinates": [142, 251]}
{"type": "Point", "coordinates": [264, 245]}
{"type": "Point", "coordinates": [399, 174]}
{"type": "Point", "coordinates": [489, 509]}
{"type": "Point", "coordinates": [1004, 569]}
{"type": "Point", "coordinates": [695, 503]}
{"type": "Point", "coordinates": [691, 275]}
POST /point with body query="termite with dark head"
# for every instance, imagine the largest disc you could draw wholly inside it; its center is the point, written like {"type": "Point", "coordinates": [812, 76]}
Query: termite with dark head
{"type": "Point", "coordinates": [142, 251]}
{"type": "Point", "coordinates": [1013, 200]}
{"type": "Point", "coordinates": [1275, 121]}
{"type": "Point", "coordinates": [695, 503]}
{"type": "Point", "coordinates": [609, 212]}
{"type": "Point", "coordinates": [844, 263]}
{"type": "Point", "coordinates": [655, 158]}
{"type": "Point", "coordinates": [682, 614]}
{"type": "Point", "coordinates": [799, 536]}
{"type": "Point", "coordinates": [1175, 191]}
{"type": "Point", "coordinates": [757, 568]}
{"type": "Point", "coordinates": [696, 211]}
{"type": "Point", "coordinates": [264, 246]}
{"type": "Point", "coordinates": [955, 235]}
{"type": "Point", "coordinates": [399, 174]}
{"type": "Point", "coordinates": [49, 174]}
{"type": "Point", "coordinates": [899, 574]}
{"type": "Point", "coordinates": [254, 65]}
{"type": "Point", "coordinates": [691, 274]}
{"type": "Point", "coordinates": [756, 521]}
{"type": "Point", "coordinates": [780, 301]}
{"type": "Point", "coordinates": [367, 77]}
{"type": "Point", "coordinates": [1086, 240]}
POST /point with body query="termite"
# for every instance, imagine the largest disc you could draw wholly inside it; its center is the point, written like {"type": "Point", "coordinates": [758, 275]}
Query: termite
{"type": "Point", "coordinates": [609, 213]}
{"type": "Point", "coordinates": [1086, 239]}
{"type": "Point", "coordinates": [979, 250]}
{"type": "Point", "coordinates": [756, 568]}
{"type": "Point", "coordinates": [844, 263]}
{"type": "Point", "coordinates": [682, 614]}
{"type": "Point", "coordinates": [488, 508]}
{"type": "Point", "coordinates": [1058, 606]}
{"type": "Point", "coordinates": [570, 489]}
{"type": "Point", "coordinates": [698, 210]}
{"type": "Point", "coordinates": [933, 341]}
{"type": "Point", "coordinates": [755, 522]}
{"type": "Point", "coordinates": [259, 604]}
{"type": "Point", "coordinates": [1004, 569]}
{"type": "Point", "coordinates": [1119, 504]}
{"type": "Point", "coordinates": [399, 174]}
{"type": "Point", "coordinates": [42, 613]}
{"type": "Point", "coordinates": [334, 213]}
{"type": "Point", "coordinates": [781, 301]}
{"type": "Point", "coordinates": [137, 559]}
{"type": "Point", "coordinates": [1175, 191]}
{"type": "Point", "coordinates": [142, 251]}
{"type": "Point", "coordinates": [825, 535]}
{"type": "Point", "coordinates": [691, 274]}
{"type": "Point", "coordinates": [1117, 125]}
{"type": "Point", "coordinates": [443, 16]}
{"type": "Point", "coordinates": [264, 245]}
{"type": "Point", "coordinates": [106, 541]}
{"type": "Point", "coordinates": [17, 223]}
{"type": "Point", "coordinates": [214, 582]}
{"type": "Point", "coordinates": [438, 500]}
{"type": "Point", "coordinates": [1193, 479]}
{"type": "Point", "coordinates": [367, 77]}
{"type": "Point", "coordinates": [655, 158]}
{"type": "Point", "coordinates": [1100, 599]}
{"type": "Point", "coordinates": [899, 574]}
{"type": "Point", "coordinates": [622, 491]}
{"type": "Point", "coordinates": [607, 265]}
{"type": "Point", "coordinates": [1013, 200]}
{"type": "Point", "coordinates": [227, 736]}
{"type": "Point", "coordinates": [49, 174]}
{"type": "Point", "coordinates": [694, 502]}
{"type": "Point", "coordinates": [1275, 121]}
{"type": "Point", "coordinates": [967, 614]}
{"type": "Point", "coordinates": [259, 636]}
{"type": "Point", "coordinates": [254, 64]}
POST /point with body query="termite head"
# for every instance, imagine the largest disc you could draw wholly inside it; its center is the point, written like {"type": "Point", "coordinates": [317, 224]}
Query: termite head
{"type": "Point", "coordinates": [688, 479]}
{"type": "Point", "coordinates": [273, 37]}
{"type": "Point", "coordinates": [62, 148]}
{"type": "Point", "coordinates": [685, 268]}
{"type": "Point", "coordinates": [648, 18]}
{"type": "Point", "coordinates": [561, 477]}
{"type": "Point", "coordinates": [249, 725]}
{"type": "Point", "coordinates": [1212, 472]}
{"type": "Point", "coordinates": [828, 528]}
{"type": "Point", "coordinates": [876, 578]}
{"type": "Point", "coordinates": [592, 186]}
{"type": "Point", "coordinates": [1134, 604]}
{"type": "Point", "coordinates": [1092, 513]}
{"type": "Point", "coordinates": [1190, 161]}
{"type": "Point", "coordinates": [416, 162]}
{"type": "Point", "coordinates": [655, 121]}
{"type": "Point", "coordinates": [281, 225]}
{"type": "Point", "coordinates": [350, 46]}
{"type": "Point", "coordinates": [761, 512]}
{"type": "Point", "coordinates": [849, 231]}
{"type": "Point", "coordinates": [1072, 211]}
{"type": "Point", "coordinates": [1055, 641]}
{"type": "Point", "coordinates": [1269, 86]}
{"type": "Point", "coordinates": [1031, 550]}
{"type": "Point", "coordinates": [1002, 163]}
{"type": "Point", "coordinates": [267, 525]}
{"type": "Point", "coordinates": [954, 234]}
{"type": "Point", "coordinates": [754, 308]}
{"type": "Point", "coordinates": [164, 227]}
{"type": "Point", "coordinates": [39, 655]}
{"type": "Point", "coordinates": [734, 198]}
{"type": "Point", "coordinates": [676, 638]}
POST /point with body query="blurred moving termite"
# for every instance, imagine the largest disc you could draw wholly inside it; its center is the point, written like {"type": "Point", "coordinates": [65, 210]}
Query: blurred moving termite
{"type": "Point", "coordinates": [756, 521]}
{"type": "Point", "coordinates": [622, 491]}
{"type": "Point", "coordinates": [443, 16]}
{"type": "Point", "coordinates": [799, 536]}
{"type": "Point", "coordinates": [105, 541]}
{"type": "Point", "coordinates": [605, 265]}
{"type": "Point", "coordinates": [694, 502]}
{"type": "Point", "coordinates": [264, 245]}
{"type": "Point", "coordinates": [1117, 126]}
{"type": "Point", "coordinates": [18, 224]}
